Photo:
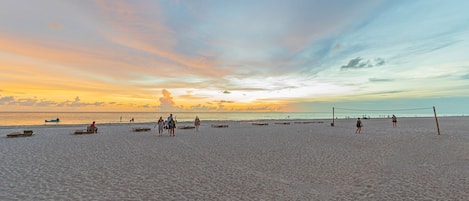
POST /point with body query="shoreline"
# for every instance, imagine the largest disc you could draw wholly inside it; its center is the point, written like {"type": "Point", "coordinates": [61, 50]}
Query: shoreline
{"type": "Point", "coordinates": [324, 120]}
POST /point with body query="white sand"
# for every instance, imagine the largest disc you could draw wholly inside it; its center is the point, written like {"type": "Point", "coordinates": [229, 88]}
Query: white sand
{"type": "Point", "coordinates": [242, 162]}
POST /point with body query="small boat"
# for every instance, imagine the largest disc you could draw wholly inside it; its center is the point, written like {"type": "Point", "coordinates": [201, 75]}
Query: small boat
{"type": "Point", "coordinates": [52, 120]}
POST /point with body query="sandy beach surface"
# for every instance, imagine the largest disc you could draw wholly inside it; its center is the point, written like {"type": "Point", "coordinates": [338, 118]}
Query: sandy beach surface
{"type": "Point", "coordinates": [303, 160]}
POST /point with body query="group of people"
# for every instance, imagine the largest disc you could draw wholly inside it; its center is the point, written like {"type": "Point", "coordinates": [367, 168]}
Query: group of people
{"type": "Point", "coordinates": [170, 124]}
{"type": "Point", "coordinates": [360, 124]}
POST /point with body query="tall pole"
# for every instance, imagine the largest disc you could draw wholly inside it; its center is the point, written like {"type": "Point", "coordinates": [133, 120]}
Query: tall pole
{"type": "Point", "coordinates": [436, 119]}
{"type": "Point", "coordinates": [333, 117]}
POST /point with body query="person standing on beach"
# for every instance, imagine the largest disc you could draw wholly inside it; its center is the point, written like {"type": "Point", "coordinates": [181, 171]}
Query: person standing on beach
{"type": "Point", "coordinates": [160, 124]}
{"type": "Point", "coordinates": [394, 121]}
{"type": "Point", "coordinates": [171, 125]}
{"type": "Point", "coordinates": [359, 126]}
{"type": "Point", "coordinates": [197, 123]}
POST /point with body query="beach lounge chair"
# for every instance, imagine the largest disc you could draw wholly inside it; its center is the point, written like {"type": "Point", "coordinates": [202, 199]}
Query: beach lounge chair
{"type": "Point", "coordinates": [260, 124]}
{"type": "Point", "coordinates": [282, 123]}
{"type": "Point", "coordinates": [141, 129]}
{"type": "Point", "coordinates": [186, 127]}
{"type": "Point", "coordinates": [88, 130]}
{"type": "Point", "coordinates": [219, 125]}
{"type": "Point", "coordinates": [26, 133]}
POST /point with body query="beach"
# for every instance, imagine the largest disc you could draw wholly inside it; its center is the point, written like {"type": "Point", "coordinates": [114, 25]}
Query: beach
{"type": "Point", "coordinates": [284, 160]}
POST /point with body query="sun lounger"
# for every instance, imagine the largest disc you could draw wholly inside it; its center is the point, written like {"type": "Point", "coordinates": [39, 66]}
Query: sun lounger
{"type": "Point", "coordinates": [219, 125]}
{"type": "Point", "coordinates": [186, 127]}
{"type": "Point", "coordinates": [283, 123]}
{"type": "Point", "coordinates": [260, 124]}
{"type": "Point", "coordinates": [88, 130]}
{"type": "Point", "coordinates": [141, 129]}
{"type": "Point", "coordinates": [25, 133]}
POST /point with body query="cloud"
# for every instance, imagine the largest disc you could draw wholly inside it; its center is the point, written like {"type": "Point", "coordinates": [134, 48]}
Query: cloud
{"type": "Point", "coordinates": [265, 108]}
{"type": "Point", "coordinates": [166, 100]}
{"type": "Point", "coordinates": [24, 102]}
{"type": "Point", "coordinates": [384, 93]}
{"type": "Point", "coordinates": [380, 80]}
{"type": "Point", "coordinates": [200, 107]}
{"type": "Point", "coordinates": [78, 103]}
{"type": "Point", "coordinates": [359, 63]}
{"type": "Point", "coordinates": [98, 103]}
{"type": "Point", "coordinates": [34, 102]}
{"type": "Point", "coordinates": [6, 100]}
{"type": "Point", "coordinates": [45, 103]}
{"type": "Point", "coordinates": [167, 103]}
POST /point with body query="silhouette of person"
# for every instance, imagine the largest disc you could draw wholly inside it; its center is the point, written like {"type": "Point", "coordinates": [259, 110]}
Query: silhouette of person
{"type": "Point", "coordinates": [359, 126]}
{"type": "Point", "coordinates": [197, 123]}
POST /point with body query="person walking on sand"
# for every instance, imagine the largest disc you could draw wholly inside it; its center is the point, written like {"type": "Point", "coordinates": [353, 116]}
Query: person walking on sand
{"type": "Point", "coordinates": [359, 126]}
{"type": "Point", "coordinates": [171, 125]}
{"type": "Point", "coordinates": [160, 124]}
{"type": "Point", "coordinates": [394, 121]}
{"type": "Point", "coordinates": [197, 123]}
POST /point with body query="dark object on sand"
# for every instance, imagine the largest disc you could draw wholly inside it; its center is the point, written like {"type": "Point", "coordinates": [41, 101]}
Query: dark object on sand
{"type": "Point", "coordinates": [284, 123]}
{"type": "Point", "coordinates": [141, 129]}
{"type": "Point", "coordinates": [219, 125]}
{"type": "Point", "coordinates": [260, 124]}
{"type": "Point", "coordinates": [88, 130]}
{"type": "Point", "coordinates": [26, 133]}
{"type": "Point", "coordinates": [186, 127]}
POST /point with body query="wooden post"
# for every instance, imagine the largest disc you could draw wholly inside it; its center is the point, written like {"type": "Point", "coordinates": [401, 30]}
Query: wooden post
{"type": "Point", "coordinates": [436, 120]}
{"type": "Point", "coordinates": [333, 123]}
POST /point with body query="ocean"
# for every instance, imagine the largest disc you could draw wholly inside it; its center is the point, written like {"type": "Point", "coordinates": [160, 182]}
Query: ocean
{"type": "Point", "coordinates": [66, 118]}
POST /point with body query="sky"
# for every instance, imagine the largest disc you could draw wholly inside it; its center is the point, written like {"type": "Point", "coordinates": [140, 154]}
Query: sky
{"type": "Point", "coordinates": [234, 56]}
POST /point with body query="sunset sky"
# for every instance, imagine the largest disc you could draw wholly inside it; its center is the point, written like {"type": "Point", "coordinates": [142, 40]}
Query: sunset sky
{"type": "Point", "coordinates": [241, 55]}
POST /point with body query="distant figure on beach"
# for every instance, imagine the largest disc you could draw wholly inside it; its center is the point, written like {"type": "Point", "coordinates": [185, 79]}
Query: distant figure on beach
{"type": "Point", "coordinates": [121, 118]}
{"type": "Point", "coordinates": [93, 127]}
{"type": "Point", "coordinates": [197, 123]}
{"type": "Point", "coordinates": [160, 124]}
{"type": "Point", "coordinates": [359, 126]}
{"type": "Point", "coordinates": [132, 120]}
{"type": "Point", "coordinates": [394, 121]}
{"type": "Point", "coordinates": [171, 125]}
